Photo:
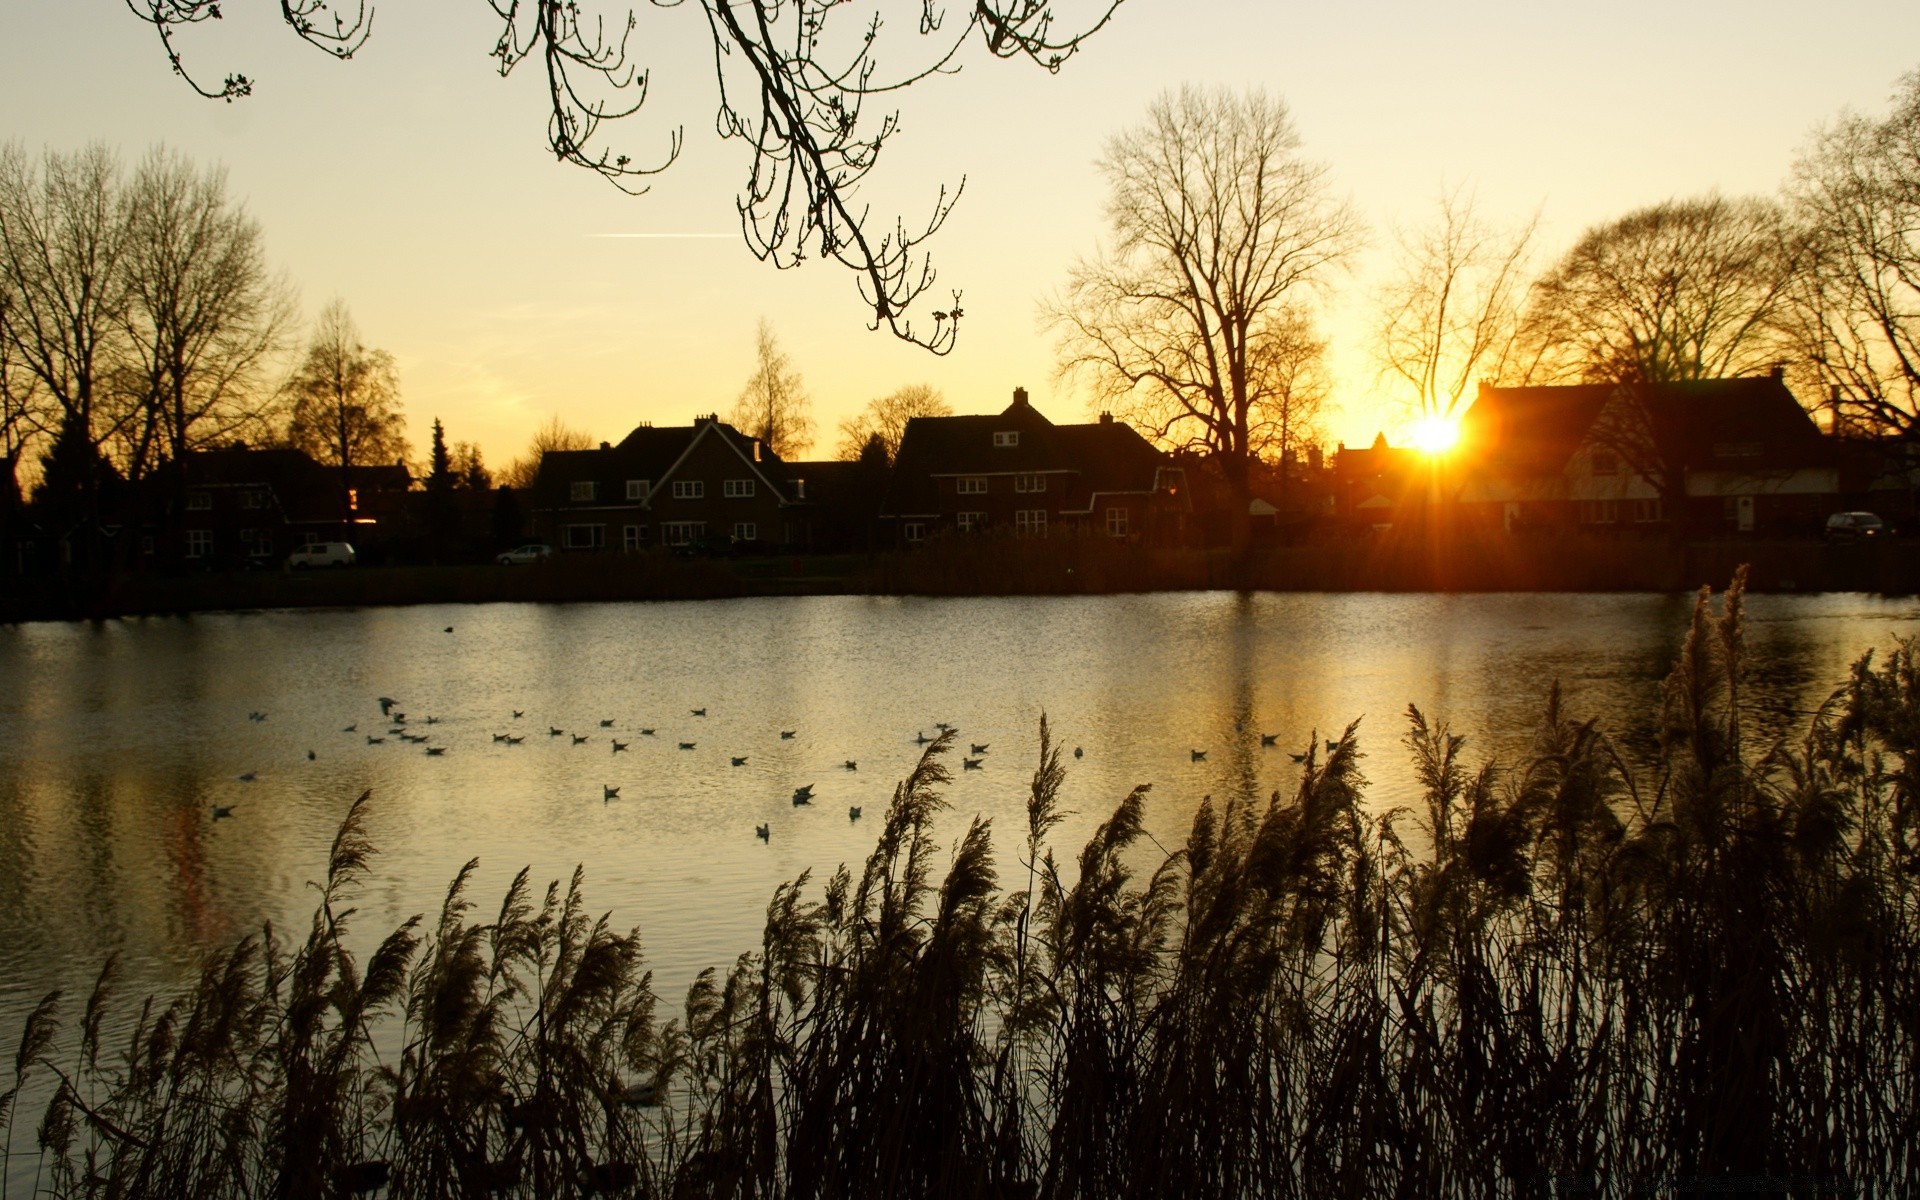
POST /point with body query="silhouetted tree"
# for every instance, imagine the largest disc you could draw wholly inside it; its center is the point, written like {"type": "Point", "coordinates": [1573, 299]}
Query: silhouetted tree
{"type": "Point", "coordinates": [346, 399]}
{"type": "Point", "coordinates": [773, 405]}
{"type": "Point", "coordinates": [440, 463]}
{"type": "Point", "coordinates": [1451, 316]}
{"type": "Point", "coordinates": [469, 471]}
{"type": "Point", "coordinates": [793, 89]}
{"type": "Point", "coordinates": [1856, 192]}
{"type": "Point", "coordinates": [886, 417]}
{"type": "Point", "coordinates": [204, 314]}
{"type": "Point", "coordinates": [1681, 290]}
{"type": "Point", "coordinates": [63, 238]}
{"type": "Point", "coordinates": [1219, 226]}
{"type": "Point", "coordinates": [555, 434]}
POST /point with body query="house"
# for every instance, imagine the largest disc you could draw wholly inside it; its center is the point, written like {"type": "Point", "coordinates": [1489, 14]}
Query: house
{"type": "Point", "coordinates": [1712, 455]}
{"type": "Point", "coordinates": [682, 486]}
{"type": "Point", "coordinates": [1018, 472]}
{"type": "Point", "coordinates": [238, 505]}
{"type": "Point", "coordinates": [1378, 486]}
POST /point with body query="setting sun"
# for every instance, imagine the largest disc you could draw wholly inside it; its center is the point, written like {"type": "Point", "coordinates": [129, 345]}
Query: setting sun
{"type": "Point", "coordinates": [1434, 435]}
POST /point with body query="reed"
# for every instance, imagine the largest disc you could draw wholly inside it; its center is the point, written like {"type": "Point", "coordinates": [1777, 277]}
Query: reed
{"type": "Point", "coordinates": [1563, 975]}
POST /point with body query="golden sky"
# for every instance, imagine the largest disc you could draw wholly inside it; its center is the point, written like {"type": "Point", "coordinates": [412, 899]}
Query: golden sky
{"type": "Point", "coordinates": [414, 183]}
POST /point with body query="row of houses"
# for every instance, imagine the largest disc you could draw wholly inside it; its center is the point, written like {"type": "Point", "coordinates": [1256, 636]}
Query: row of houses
{"type": "Point", "coordinates": [1739, 456]}
{"type": "Point", "coordinates": [1712, 457]}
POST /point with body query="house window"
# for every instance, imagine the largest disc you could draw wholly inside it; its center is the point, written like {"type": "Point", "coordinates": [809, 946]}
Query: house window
{"type": "Point", "coordinates": [746, 531]}
{"type": "Point", "coordinates": [1600, 512]}
{"type": "Point", "coordinates": [914, 531]}
{"type": "Point", "coordinates": [682, 533]}
{"type": "Point", "coordinates": [583, 537]}
{"type": "Point", "coordinates": [1169, 480]}
{"type": "Point", "coordinates": [258, 543]}
{"type": "Point", "coordinates": [1006, 438]}
{"type": "Point", "coordinates": [310, 540]}
{"type": "Point", "coordinates": [1029, 483]}
{"type": "Point", "coordinates": [353, 499]}
{"type": "Point", "coordinates": [199, 543]}
{"type": "Point", "coordinates": [971, 485]}
{"type": "Point", "coordinates": [633, 538]}
{"type": "Point", "coordinates": [689, 489]}
{"type": "Point", "coordinates": [1603, 462]}
{"type": "Point", "coordinates": [199, 501]}
{"type": "Point", "coordinates": [737, 489]}
{"type": "Point", "coordinates": [636, 489]}
{"type": "Point", "coordinates": [582, 492]}
{"type": "Point", "coordinates": [971, 522]}
{"type": "Point", "coordinates": [1117, 522]}
{"type": "Point", "coordinates": [252, 499]}
{"type": "Point", "coordinates": [1030, 522]}
{"type": "Point", "coordinates": [1647, 511]}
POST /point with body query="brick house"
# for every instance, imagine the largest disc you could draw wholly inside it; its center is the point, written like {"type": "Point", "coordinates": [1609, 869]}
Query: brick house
{"type": "Point", "coordinates": [680, 487]}
{"type": "Point", "coordinates": [1018, 472]}
{"type": "Point", "coordinates": [1734, 456]}
{"type": "Point", "coordinates": [241, 505]}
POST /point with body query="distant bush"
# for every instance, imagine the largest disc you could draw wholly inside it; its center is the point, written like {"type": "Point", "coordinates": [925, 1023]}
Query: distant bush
{"type": "Point", "coordinates": [1561, 976]}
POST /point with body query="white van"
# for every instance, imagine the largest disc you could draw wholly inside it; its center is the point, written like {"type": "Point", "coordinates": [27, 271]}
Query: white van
{"type": "Point", "coordinates": [321, 554]}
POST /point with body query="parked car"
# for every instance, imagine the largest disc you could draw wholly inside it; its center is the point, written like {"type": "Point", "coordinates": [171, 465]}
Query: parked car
{"type": "Point", "coordinates": [532, 552]}
{"type": "Point", "coordinates": [1854, 527]}
{"type": "Point", "coordinates": [321, 554]}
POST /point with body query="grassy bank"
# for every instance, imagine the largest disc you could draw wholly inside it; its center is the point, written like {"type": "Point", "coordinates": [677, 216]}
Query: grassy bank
{"type": "Point", "coordinates": [999, 567]}
{"type": "Point", "coordinates": [1556, 976]}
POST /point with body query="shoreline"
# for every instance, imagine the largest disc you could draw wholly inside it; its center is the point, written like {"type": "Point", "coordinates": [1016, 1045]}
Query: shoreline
{"type": "Point", "coordinates": [1011, 568]}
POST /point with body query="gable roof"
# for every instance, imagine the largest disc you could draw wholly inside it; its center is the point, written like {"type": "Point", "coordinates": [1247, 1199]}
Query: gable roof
{"type": "Point", "coordinates": [656, 454]}
{"type": "Point", "coordinates": [1100, 457]}
{"type": "Point", "coordinates": [1749, 423]}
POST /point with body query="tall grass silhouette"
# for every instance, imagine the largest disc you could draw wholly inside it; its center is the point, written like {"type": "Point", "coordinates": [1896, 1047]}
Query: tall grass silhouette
{"type": "Point", "coordinates": [1558, 976]}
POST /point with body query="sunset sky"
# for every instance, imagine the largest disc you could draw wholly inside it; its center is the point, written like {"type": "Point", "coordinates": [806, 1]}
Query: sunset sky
{"type": "Point", "coordinates": [413, 183]}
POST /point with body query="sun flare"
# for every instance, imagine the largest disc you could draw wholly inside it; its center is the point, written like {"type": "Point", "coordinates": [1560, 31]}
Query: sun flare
{"type": "Point", "coordinates": [1435, 435]}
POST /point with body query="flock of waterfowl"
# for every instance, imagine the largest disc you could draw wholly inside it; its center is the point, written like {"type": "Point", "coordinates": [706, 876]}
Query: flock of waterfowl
{"type": "Point", "coordinates": [397, 726]}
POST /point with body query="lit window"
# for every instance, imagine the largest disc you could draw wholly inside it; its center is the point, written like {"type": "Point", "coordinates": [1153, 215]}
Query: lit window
{"type": "Point", "coordinates": [1029, 483]}
{"type": "Point", "coordinates": [971, 522]}
{"type": "Point", "coordinates": [1007, 438]}
{"type": "Point", "coordinates": [1117, 522]}
{"type": "Point", "coordinates": [353, 499]}
{"type": "Point", "coordinates": [746, 531]}
{"type": "Point", "coordinates": [582, 492]}
{"type": "Point", "coordinates": [583, 537]}
{"type": "Point", "coordinates": [199, 543]}
{"type": "Point", "coordinates": [971, 485]}
{"type": "Point", "coordinates": [636, 489]}
{"type": "Point", "coordinates": [1030, 522]}
{"type": "Point", "coordinates": [689, 489]}
{"type": "Point", "coordinates": [737, 489]}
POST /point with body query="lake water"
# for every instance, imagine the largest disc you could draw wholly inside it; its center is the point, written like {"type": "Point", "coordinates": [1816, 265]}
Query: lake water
{"type": "Point", "coordinates": [117, 739]}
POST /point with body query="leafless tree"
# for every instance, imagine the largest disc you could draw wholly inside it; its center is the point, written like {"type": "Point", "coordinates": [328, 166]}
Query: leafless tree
{"type": "Point", "coordinates": [63, 241]}
{"type": "Point", "coordinates": [22, 412]}
{"type": "Point", "coordinates": [1684, 289]}
{"type": "Point", "coordinates": [1219, 228]}
{"type": "Point", "coordinates": [345, 399]}
{"type": "Point", "coordinates": [1856, 192]}
{"type": "Point", "coordinates": [205, 315]}
{"type": "Point", "coordinates": [554, 434]}
{"type": "Point", "coordinates": [794, 87]}
{"type": "Point", "coordinates": [773, 405]}
{"type": "Point", "coordinates": [1291, 361]}
{"type": "Point", "coordinates": [886, 417]}
{"type": "Point", "coordinates": [1452, 314]}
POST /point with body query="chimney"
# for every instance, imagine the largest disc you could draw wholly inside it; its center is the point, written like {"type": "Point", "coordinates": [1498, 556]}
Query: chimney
{"type": "Point", "coordinates": [606, 445]}
{"type": "Point", "coordinates": [1020, 397]}
{"type": "Point", "coordinates": [1777, 372]}
{"type": "Point", "coordinates": [1106, 418]}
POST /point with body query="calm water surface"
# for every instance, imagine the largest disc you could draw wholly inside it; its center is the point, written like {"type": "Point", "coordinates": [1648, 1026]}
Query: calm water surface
{"type": "Point", "coordinates": [116, 739]}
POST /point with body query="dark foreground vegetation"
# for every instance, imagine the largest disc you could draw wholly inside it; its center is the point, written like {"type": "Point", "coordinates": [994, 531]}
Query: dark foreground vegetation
{"type": "Point", "coordinates": [1398, 562]}
{"type": "Point", "coordinates": [1560, 976]}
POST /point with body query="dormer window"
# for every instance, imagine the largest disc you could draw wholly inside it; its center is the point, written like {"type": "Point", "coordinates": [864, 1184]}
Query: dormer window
{"type": "Point", "coordinates": [1603, 462]}
{"type": "Point", "coordinates": [582, 492]}
{"type": "Point", "coordinates": [1029, 483]}
{"type": "Point", "coordinates": [1006, 437]}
